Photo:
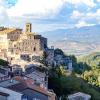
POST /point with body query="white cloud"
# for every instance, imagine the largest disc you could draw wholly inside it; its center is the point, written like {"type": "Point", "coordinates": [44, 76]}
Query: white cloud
{"type": "Point", "coordinates": [76, 14]}
{"type": "Point", "coordinates": [27, 10]}
{"type": "Point", "coordinates": [94, 15]}
{"type": "Point", "coordinates": [89, 3]}
{"type": "Point", "coordinates": [82, 23]}
{"type": "Point", "coordinates": [3, 13]}
{"type": "Point", "coordinates": [35, 7]}
{"type": "Point", "coordinates": [98, 0]}
{"type": "Point", "coordinates": [83, 18]}
{"type": "Point", "coordinates": [2, 3]}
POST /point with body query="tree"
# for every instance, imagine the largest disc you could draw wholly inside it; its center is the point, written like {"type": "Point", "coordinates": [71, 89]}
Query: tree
{"type": "Point", "coordinates": [65, 85]}
{"type": "Point", "coordinates": [60, 71]}
{"type": "Point", "coordinates": [3, 62]}
{"type": "Point", "coordinates": [58, 52]}
{"type": "Point", "coordinates": [92, 77]}
{"type": "Point", "coordinates": [43, 58]}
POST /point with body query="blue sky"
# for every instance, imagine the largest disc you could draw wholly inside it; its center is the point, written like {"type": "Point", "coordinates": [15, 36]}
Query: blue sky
{"type": "Point", "coordinates": [49, 14]}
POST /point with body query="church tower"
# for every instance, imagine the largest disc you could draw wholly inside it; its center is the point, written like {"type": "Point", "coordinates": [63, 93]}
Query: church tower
{"type": "Point", "coordinates": [28, 27]}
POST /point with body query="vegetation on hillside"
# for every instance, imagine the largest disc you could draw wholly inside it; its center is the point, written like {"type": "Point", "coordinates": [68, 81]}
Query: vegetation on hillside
{"type": "Point", "coordinates": [63, 84]}
{"type": "Point", "coordinates": [84, 78]}
{"type": "Point", "coordinates": [92, 60]}
{"type": "Point", "coordinates": [92, 76]}
{"type": "Point", "coordinates": [79, 67]}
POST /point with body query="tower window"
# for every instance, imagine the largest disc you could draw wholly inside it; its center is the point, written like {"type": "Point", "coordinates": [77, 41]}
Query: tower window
{"type": "Point", "coordinates": [34, 48]}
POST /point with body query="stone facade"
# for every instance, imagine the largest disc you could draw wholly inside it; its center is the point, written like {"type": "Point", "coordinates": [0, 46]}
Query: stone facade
{"type": "Point", "coordinates": [50, 56]}
{"type": "Point", "coordinates": [14, 42]}
{"type": "Point", "coordinates": [28, 43]}
{"type": "Point", "coordinates": [64, 61]}
{"type": "Point", "coordinates": [7, 35]}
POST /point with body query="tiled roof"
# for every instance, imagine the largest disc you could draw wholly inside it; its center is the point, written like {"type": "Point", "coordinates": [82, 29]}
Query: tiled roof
{"type": "Point", "coordinates": [79, 94]}
{"type": "Point", "coordinates": [7, 83]}
{"type": "Point", "coordinates": [7, 30]}
{"type": "Point", "coordinates": [4, 94]}
{"type": "Point", "coordinates": [27, 83]}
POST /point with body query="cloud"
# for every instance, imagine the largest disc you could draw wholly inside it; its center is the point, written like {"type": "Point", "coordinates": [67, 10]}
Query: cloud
{"type": "Point", "coordinates": [3, 12]}
{"type": "Point", "coordinates": [85, 18]}
{"type": "Point", "coordinates": [98, 0]}
{"type": "Point", "coordinates": [95, 14]}
{"type": "Point", "coordinates": [82, 23]}
{"type": "Point", "coordinates": [76, 14]}
{"type": "Point", "coordinates": [89, 3]}
{"type": "Point", "coordinates": [49, 12]}
{"type": "Point", "coordinates": [35, 7]}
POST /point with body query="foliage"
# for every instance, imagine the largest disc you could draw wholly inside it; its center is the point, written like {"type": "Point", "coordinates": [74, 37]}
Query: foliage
{"type": "Point", "coordinates": [92, 60]}
{"type": "Point", "coordinates": [43, 58]}
{"type": "Point", "coordinates": [79, 67]}
{"type": "Point", "coordinates": [58, 52]}
{"type": "Point", "coordinates": [60, 71]}
{"type": "Point", "coordinates": [3, 62]}
{"type": "Point", "coordinates": [65, 85]}
{"type": "Point", "coordinates": [92, 77]}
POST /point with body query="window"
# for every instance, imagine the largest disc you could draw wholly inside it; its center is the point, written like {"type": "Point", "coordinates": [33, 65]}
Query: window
{"type": "Point", "coordinates": [14, 45]}
{"type": "Point", "coordinates": [34, 48]}
{"type": "Point", "coordinates": [30, 37]}
{"type": "Point", "coordinates": [36, 99]}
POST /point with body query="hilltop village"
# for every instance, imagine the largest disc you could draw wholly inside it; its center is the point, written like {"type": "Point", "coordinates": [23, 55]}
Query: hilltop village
{"type": "Point", "coordinates": [18, 47]}
{"type": "Point", "coordinates": [30, 70]}
{"type": "Point", "coordinates": [28, 58]}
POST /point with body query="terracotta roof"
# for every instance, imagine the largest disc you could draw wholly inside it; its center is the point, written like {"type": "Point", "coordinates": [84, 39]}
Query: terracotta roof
{"type": "Point", "coordinates": [27, 83]}
{"type": "Point", "coordinates": [4, 94]}
{"type": "Point", "coordinates": [7, 30]}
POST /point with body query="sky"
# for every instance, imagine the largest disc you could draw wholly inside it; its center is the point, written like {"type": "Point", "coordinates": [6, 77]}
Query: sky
{"type": "Point", "coordinates": [49, 14]}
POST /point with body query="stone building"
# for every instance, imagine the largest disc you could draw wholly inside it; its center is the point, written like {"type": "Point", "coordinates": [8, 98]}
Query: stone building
{"type": "Point", "coordinates": [28, 43]}
{"type": "Point", "coordinates": [6, 35]}
{"type": "Point", "coordinates": [28, 87]}
{"type": "Point", "coordinates": [65, 61]}
{"type": "Point", "coordinates": [50, 56]}
{"type": "Point", "coordinates": [79, 96]}
{"type": "Point", "coordinates": [7, 94]}
{"type": "Point", "coordinates": [14, 43]}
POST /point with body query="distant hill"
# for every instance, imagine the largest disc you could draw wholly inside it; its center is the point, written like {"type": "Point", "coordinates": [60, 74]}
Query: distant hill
{"type": "Point", "coordinates": [92, 59]}
{"type": "Point", "coordinates": [76, 41]}
{"type": "Point", "coordinates": [76, 47]}
{"type": "Point", "coordinates": [87, 34]}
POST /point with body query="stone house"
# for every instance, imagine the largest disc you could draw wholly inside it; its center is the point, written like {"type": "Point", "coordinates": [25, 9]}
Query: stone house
{"type": "Point", "coordinates": [7, 94]}
{"type": "Point", "coordinates": [79, 96]}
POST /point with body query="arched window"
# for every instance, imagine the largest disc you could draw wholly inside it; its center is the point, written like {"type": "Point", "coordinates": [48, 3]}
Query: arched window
{"type": "Point", "coordinates": [34, 48]}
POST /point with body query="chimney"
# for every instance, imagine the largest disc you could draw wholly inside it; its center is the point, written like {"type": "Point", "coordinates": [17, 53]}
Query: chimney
{"type": "Point", "coordinates": [28, 27]}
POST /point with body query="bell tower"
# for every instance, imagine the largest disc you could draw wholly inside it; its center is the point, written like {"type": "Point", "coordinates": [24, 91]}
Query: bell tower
{"type": "Point", "coordinates": [28, 27]}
